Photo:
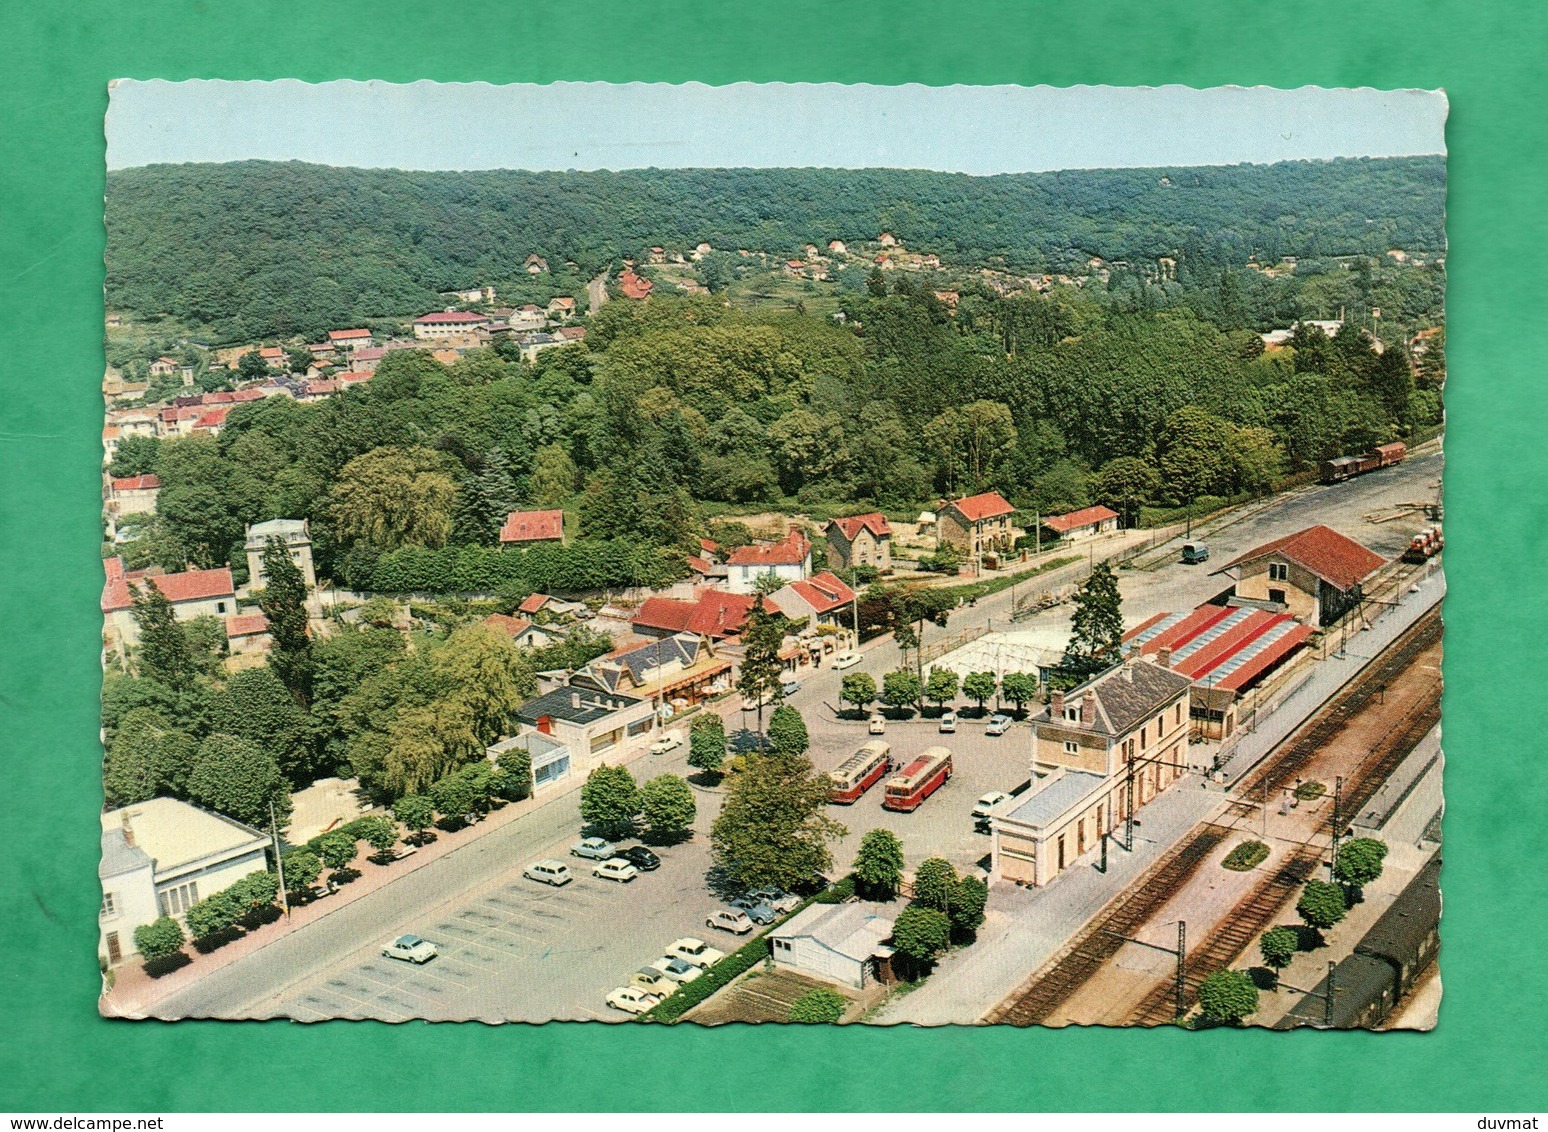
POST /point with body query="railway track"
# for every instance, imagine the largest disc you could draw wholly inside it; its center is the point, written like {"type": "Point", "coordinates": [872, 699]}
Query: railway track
{"type": "Point", "coordinates": [1251, 916]}
{"type": "Point", "coordinates": [1053, 985]}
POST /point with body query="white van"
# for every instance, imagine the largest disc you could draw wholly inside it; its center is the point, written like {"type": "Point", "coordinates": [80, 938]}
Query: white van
{"type": "Point", "coordinates": [548, 871]}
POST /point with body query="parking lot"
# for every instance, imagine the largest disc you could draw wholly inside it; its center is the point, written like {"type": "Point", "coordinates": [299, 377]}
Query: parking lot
{"type": "Point", "coordinates": [521, 950]}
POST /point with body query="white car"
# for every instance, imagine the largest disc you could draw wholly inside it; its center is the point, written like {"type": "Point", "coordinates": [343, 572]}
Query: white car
{"type": "Point", "coordinates": [949, 722]}
{"type": "Point", "coordinates": [846, 660]}
{"type": "Point", "coordinates": [616, 868]}
{"type": "Point", "coordinates": [790, 687]}
{"type": "Point", "coordinates": [988, 802]}
{"type": "Point", "coordinates": [411, 948]}
{"type": "Point", "coordinates": [669, 741]}
{"type": "Point", "coordinates": [549, 871]}
{"type": "Point", "coordinates": [677, 970]}
{"type": "Point", "coordinates": [595, 849]}
{"type": "Point", "coordinates": [632, 1000]}
{"type": "Point", "coordinates": [878, 725]}
{"type": "Point", "coordinates": [776, 898]}
{"type": "Point", "coordinates": [694, 951]}
{"type": "Point", "coordinates": [998, 725]}
{"type": "Point", "coordinates": [732, 920]}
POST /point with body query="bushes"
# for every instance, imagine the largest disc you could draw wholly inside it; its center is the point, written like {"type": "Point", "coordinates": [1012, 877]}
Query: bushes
{"type": "Point", "coordinates": [158, 939]}
{"type": "Point", "coordinates": [1226, 997]}
{"type": "Point", "coordinates": [1247, 855]}
{"type": "Point", "coordinates": [818, 1006]}
{"type": "Point", "coordinates": [582, 565]}
{"type": "Point", "coordinates": [1322, 904]}
{"type": "Point", "coordinates": [679, 1002]}
{"type": "Point", "coordinates": [1279, 946]}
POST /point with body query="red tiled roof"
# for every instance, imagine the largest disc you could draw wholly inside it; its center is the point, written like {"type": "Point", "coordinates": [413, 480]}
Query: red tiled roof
{"type": "Point", "coordinates": [789, 551]}
{"type": "Point", "coordinates": [320, 386]}
{"type": "Point", "coordinates": [242, 395]}
{"type": "Point", "coordinates": [663, 613]}
{"type": "Point", "coordinates": [451, 317]}
{"type": "Point", "coordinates": [136, 483]}
{"type": "Point", "coordinates": [215, 418]}
{"type": "Point", "coordinates": [699, 565]}
{"type": "Point", "coordinates": [719, 613]}
{"type": "Point", "coordinates": [348, 335]}
{"type": "Point", "coordinates": [356, 378]}
{"type": "Point", "coordinates": [271, 352]}
{"type": "Point", "coordinates": [192, 585]}
{"type": "Point", "coordinates": [563, 302]}
{"type": "Point", "coordinates": [874, 521]}
{"type": "Point", "coordinates": [513, 627]}
{"type": "Point", "coordinates": [709, 546]}
{"type": "Point", "coordinates": [1085, 517]}
{"type": "Point", "coordinates": [370, 353]}
{"type": "Point", "coordinates": [1223, 646]}
{"type": "Point", "coordinates": [532, 526]}
{"type": "Point", "coordinates": [634, 286]}
{"type": "Point", "coordinates": [533, 603]}
{"type": "Point", "coordinates": [246, 624]}
{"type": "Point", "coordinates": [1336, 559]}
{"type": "Point", "coordinates": [976, 508]}
{"type": "Point", "coordinates": [572, 333]}
{"type": "Point", "coordinates": [824, 592]}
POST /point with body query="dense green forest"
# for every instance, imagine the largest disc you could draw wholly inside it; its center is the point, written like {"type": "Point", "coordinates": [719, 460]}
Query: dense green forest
{"type": "Point", "coordinates": [271, 249]}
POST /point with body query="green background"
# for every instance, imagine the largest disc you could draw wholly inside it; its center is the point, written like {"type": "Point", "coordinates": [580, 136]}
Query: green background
{"type": "Point", "coordinates": [1489, 1052]}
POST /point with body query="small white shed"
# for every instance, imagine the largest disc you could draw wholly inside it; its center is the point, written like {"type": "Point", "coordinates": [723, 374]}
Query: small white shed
{"type": "Point", "coordinates": [837, 942]}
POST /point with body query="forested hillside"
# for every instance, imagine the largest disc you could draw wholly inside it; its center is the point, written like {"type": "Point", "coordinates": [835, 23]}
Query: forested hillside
{"type": "Point", "coordinates": [263, 249]}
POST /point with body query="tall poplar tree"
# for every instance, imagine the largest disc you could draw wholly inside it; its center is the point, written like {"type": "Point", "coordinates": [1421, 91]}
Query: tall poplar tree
{"type": "Point", "coordinates": [761, 667]}
{"type": "Point", "coordinates": [284, 604]}
{"type": "Point", "coordinates": [164, 653]}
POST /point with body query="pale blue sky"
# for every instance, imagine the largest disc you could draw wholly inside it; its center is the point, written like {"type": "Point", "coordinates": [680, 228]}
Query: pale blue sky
{"type": "Point", "coordinates": [977, 130]}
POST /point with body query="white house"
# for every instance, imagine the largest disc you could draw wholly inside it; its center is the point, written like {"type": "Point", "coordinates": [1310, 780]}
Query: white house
{"type": "Point", "coordinates": [550, 758]}
{"type": "Point", "coordinates": [841, 943]}
{"type": "Point", "coordinates": [159, 858]}
{"type": "Point", "coordinates": [789, 560]}
{"type": "Point", "coordinates": [192, 593]}
{"type": "Point", "coordinates": [296, 534]}
{"type": "Point", "coordinates": [594, 726]}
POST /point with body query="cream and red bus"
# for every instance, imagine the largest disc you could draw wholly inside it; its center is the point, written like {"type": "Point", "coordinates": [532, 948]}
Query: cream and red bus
{"type": "Point", "coordinates": [859, 772]}
{"type": "Point", "coordinates": [920, 778]}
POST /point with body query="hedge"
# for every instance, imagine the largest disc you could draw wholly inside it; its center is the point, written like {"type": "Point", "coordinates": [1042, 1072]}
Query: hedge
{"type": "Point", "coordinates": [680, 1001]}
{"type": "Point", "coordinates": [578, 567]}
{"type": "Point", "coordinates": [1247, 855]}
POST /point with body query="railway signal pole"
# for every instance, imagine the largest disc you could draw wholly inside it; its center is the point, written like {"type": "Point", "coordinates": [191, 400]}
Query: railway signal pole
{"type": "Point", "coordinates": [1128, 789]}
{"type": "Point", "coordinates": [1338, 795]}
{"type": "Point", "coordinates": [1326, 996]}
{"type": "Point", "coordinates": [1179, 982]}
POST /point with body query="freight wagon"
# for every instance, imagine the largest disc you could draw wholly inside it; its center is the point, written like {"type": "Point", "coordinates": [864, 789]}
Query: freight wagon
{"type": "Point", "coordinates": [1341, 468]}
{"type": "Point", "coordinates": [1386, 964]}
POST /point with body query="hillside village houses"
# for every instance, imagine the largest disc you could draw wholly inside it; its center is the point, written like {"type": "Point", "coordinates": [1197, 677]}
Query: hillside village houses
{"type": "Point", "coordinates": [1088, 522]}
{"type": "Point", "coordinates": [789, 559]}
{"type": "Point", "coordinates": [860, 540]}
{"type": "Point", "coordinates": [132, 495]}
{"type": "Point", "coordinates": [192, 593]}
{"type": "Point", "coordinates": [446, 324]}
{"type": "Point", "coordinates": [524, 528]}
{"type": "Point", "coordinates": [159, 858]}
{"type": "Point", "coordinates": [296, 534]}
{"type": "Point", "coordinates": [1099, 752]}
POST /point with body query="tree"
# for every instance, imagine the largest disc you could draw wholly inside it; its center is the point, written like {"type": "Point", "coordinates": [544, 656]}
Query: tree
{"type": "Point", "coordinates": [610, 800]}
{"type": "Point", "coordinates": [920, 934]}
{"type": "Point", "coordinates": [762, 671]}
{"type": "Point", "coordinates": [283, 601]}
{"type": "Point", "coordinates": [416, 812]}
{"type": "Point", "coordinates": [1125, 483]}
{"type": "Point", "coordinates": [134, 456]}
{"type": "Point", "coordinates": [145, 759]}
{"type": "Point", "coordinates": [251, 366]}
{"type": "Point", "coordinates": [164, 652]}
{"type": "Point", "coordinates": [486, 496]}
{"type": "Point", "coordinates": [337, 849]}
{"type": "Point", "coordinates": [707, 743]}
{"type": "Point", "coordinates": [935, 883]}
{"type": "Point", "coordinates": [1020, 688]}
{"type": "Point", "coordinates": [392, 497]}
{"type": "Point", "coordinates": [819, 1005]}
{"type": "Point", "coordinates": [456, 798]}
{"type": "Point", "coordinates": [214, 914]}
{"type": "Point", "coordinates": [879, 864]}
{"type": "Point", "coordinates": [159, 938]}
{"type": "Point", "coordinates": [1226, 997]}
{"type": "Point", "coordinates": [1096, 636]}
{"type": "Point", "coordinates": [772, 828]}
{"type": "Point", "coordinates": [257, 707]}
{"type": "Point", "coordinates": [1322, 904]}
{"type": "Point", "coordinates": [380, 831]}
{"type": "Point", "coordinates": [1193, 451]}
{"type": "Point", "coordinates": [302, 868]}
{"type": "Point", "coordinates": [979, 686]}
{"type": "Point", "coordinates": [667, 807]}
{"type": "Point", "coordinates": [1279, 946]}
{"type": "Point", "coordinates": [516, 765]}
{"type": "Point", "coordinates": [900, 689]}
{"type": "Point", "coordinates": [1359, 861]}
{"type": "Point", "coordinates": [969, 898]}
{"type": "Point", "coordinates": [787, 732]}
{"type": "Point", "coordinates": [237, 778]}
{"type": "Point", "coordinates": [858, 688]}
{"type": "Point", "coordinates": [941, 686]}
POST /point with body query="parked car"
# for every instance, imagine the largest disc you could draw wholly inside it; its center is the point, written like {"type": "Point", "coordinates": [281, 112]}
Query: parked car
{"type": "Point", "coordinates": [669, 741]}
{"type": "Point", "coordinates": [847, 659]}
{"type": "Point", "coordinates": [790, 687]}
{"type": "Point", "coordinates": [732, 920]}
{"type": "Point", "coordinates": [679, 971]}
{"type": "Point", "coordinates": [584, 614]}
{"type": "Point", "coordinates": [757, 911]}
{"type": "Point", "coordinates": [776, 898]}
{"type": "Point", "coordinates": [949, 722]}
{"type": "Point", "coordinates": [878, 725]}
{"type": "Point", "coordinates": [594, 849]}
{"type": "Point", "coordinates": [549, 871]}
{"type": "Point", "coordinates": [652, 981]}
{"type": "Point", "coordinates": [988, 802]}
{"type": "Point", "coordinates": [1194, 552]}
{"type": "Point", "coordinates": [615, 868]}
{"type": "Point", "coordinates": [998, 725]}
{"type": "Point", "coordinates": [632, 1000]}
{"type": "Point", "coordinates": [694, 951]}
{"type": "Point", "coordinates": [641, 858]}
{"type": "Point", "coordinates": [410, 947]}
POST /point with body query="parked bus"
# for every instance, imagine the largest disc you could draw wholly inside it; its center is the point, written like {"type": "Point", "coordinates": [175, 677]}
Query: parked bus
{"type": "Point", "coordinates": [920, 778]}
{"type": "Point", "coordinates": [859, 772]}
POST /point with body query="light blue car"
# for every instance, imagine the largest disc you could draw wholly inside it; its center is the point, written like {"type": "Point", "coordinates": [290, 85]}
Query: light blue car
{"type": "Point", "coordinates": [594, 849]}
